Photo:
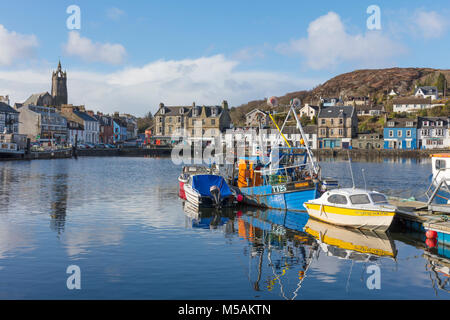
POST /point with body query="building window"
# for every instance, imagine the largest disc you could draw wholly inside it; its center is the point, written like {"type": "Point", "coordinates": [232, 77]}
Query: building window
{"type": "Point", "coordinates": [323, 121]}
{"type": "Point", "coordinates": [408, 144]}
{"type": "Point", "coordinates": [399, 133]}
{"type": "Point", "coordinates": [391, 133]}
{"type": "Point", "coordinates": [408, 133]}
{"type": "Point", "coordinates": [213, 122]}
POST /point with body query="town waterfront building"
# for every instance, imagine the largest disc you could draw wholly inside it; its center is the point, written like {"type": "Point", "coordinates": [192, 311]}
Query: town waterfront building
{"type": "Point", "coordinates": [40, 122]}
{"type": "Point", "coordinates": [91, 128]}
{"type": "Point", "coordinates": [193, 122]}
{"type": "Point", "coordinates": [368, 141]}
{"type": "Point", "coordinates": [336, 127]}
{"type": "Point", "coordinates": [433, 132]}
{"type": "Point", "coordinates": [400, 133]}
{"type": "Point", "coordinates": [9, 119]}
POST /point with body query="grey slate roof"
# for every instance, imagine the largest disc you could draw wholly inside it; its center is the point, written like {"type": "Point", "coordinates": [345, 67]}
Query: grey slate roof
{"type": "Point", "coordinates": [427, 90]}
{"type": "Point", "coordinates": [336, 112]}
{"type": "Point", "coordinates": [84, 116]}
{"type": "Point", "coordinates": [33, 99]}
{"type": "Point", "coordinates": [5, 108]}
{"type": "Point", "coordinates": [432, 122]}
{"type": "Point", "coordinates": [401, 123]}
{"type": "Point", "coordinates": [411, 100]}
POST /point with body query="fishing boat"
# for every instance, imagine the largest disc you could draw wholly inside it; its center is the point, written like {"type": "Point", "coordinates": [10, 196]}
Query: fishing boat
{"type": "Point", "coordinates": [352, 207]}
{"type": "Point", "coordinates": [208, 190]}
{"type": "Point", "coordinates": [284, 179]}
{"type": "Point", "coordinates": [439, 190]}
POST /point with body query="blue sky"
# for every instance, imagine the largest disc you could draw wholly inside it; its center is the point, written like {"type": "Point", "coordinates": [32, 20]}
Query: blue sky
{"type": "Point", "coordinates": [129, 56]}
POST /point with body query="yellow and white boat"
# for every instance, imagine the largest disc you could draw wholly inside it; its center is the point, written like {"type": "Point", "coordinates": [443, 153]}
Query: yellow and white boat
{"type": "Point", "coordinates": [352, 207]}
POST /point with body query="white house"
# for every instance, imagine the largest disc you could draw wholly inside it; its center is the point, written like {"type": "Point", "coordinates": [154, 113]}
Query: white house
{"type": "Point", "coordinates": [411, 104]}
{"type": "Point", "coordinates": [426, 92]}
{"type": "Point", "coordinates": [309, 111]}
{"type": "Point", "coordinates": [91, 127]}
{"type": "Point", "coordinates": [433, 132]}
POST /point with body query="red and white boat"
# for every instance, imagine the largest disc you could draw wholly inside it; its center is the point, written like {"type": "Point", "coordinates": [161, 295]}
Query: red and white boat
{"type": "Point", "coordinates": [188, 171]}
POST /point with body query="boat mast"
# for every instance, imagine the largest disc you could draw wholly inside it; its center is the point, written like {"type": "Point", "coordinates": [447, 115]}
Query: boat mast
{"type": "Point", "coordinates": [351, 171]}
{"type": "Point", "coordinates": [299, 127]}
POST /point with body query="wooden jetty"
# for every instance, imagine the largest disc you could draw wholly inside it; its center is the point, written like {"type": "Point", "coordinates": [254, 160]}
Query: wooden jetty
{"type": "Point", "coordinates": [415, 216]}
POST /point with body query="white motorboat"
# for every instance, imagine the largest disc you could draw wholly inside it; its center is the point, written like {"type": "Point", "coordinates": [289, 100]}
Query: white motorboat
{"type": "Point", "coordinates": [352, 207]}
{"type": "Point", "coordinates": [208, 190]}
{"type": "Point", "coordinates": [190, 171]}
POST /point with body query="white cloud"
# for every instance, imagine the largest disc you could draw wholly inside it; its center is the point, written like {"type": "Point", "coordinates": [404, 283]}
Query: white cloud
{"type": "Point", "coordinates": [94, 52]}
{"type": "Point", "coordinates": [429, 24]}
{"type": "Point", "coordinates": [114, 13]}
{"type": "Point", "coordinates": [15, 46]}
{"type": "Point", "coordinates": [328, 44]}
{"type": "Point", "coordinates": [206, 80]}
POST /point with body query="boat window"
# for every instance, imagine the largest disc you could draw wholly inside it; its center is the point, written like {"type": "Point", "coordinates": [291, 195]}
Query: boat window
{"type": "Point", "coordinates": [378, 198]}
{"type": "Point", "coordinates": [440, 164]}
{"type": "Point", "coordinates": [337, 198]}
{"type": "Point", "coordinates": [360, 199]}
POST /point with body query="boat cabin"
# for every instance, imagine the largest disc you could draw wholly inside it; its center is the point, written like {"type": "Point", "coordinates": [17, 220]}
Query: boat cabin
{"type": "Point", "coordinates": [440, 166]}
{"type": "Point", "coordinates": [353, 197]}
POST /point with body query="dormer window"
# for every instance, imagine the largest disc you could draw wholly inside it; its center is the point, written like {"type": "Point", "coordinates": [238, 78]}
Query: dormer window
{"type": "Point", "coordinates": [391, 123]}
{"type": "Point", "coordinates": [426, 123]}
{"type": "Point", "coordinates": [439, 123]}
{"type": "Point", "coordinates": [162, 111]}
{"type": "Point", "coordinates": [181, 110]}
{"type": "Point", "coordinates": [409, 123]}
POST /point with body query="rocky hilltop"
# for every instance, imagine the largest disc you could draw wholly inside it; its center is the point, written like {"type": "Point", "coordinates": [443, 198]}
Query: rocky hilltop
{"type": "Point", "coordinates": [375, 83]}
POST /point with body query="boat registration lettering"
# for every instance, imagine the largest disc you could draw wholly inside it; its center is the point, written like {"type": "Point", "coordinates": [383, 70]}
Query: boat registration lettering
{"type": "Point", "coordinates": [279, 188]}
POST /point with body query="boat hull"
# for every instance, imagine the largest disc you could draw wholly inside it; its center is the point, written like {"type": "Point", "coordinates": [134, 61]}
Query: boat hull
{"type": "Point", "coordinates": [181, 192]}
{"type": "Point", "coordinates": [378, 220]}
{"type": "Point", "coordinates": [288, 197]}
{"type": "Point", "coordinates": [199, 201]}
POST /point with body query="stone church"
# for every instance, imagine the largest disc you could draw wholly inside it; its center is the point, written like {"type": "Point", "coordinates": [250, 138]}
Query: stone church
{"type": "Point", "coordinates": [58, 96]}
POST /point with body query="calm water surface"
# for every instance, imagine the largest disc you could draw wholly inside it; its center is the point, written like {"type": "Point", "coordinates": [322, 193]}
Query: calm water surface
{"type": "Point", "coordinates": [121, 221]}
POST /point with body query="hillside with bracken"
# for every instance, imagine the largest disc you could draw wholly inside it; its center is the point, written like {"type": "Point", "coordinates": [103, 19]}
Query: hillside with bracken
{"type": "Point", "coordinates": [374, 83]}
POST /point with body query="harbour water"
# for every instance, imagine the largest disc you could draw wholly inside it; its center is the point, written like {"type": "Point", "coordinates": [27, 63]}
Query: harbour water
{"type": "Point", "coordinates": [120, 220]}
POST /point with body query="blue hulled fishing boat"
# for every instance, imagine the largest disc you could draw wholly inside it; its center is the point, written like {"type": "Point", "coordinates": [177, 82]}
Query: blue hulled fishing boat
{"type": "Point", "coordinates": [286, 178]}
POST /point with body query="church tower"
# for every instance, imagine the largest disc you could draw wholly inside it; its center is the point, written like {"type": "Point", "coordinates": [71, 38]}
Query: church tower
{"type": "Point", "coordinates": [59, 86]}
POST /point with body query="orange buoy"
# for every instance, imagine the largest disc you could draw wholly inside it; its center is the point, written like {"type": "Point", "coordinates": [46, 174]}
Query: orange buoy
{"type": "Point", "coordinates": [431, 234]}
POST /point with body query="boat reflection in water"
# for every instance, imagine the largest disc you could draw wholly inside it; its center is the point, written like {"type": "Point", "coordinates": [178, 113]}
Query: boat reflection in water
{"type": "Point", "coordinates": [282, 245]}
{"type": "Point", "coordinates": [439, 268]}
{"type": "Point", "coordinates": [207, 218]}
{"type": "Point", "coordinates": [354, 244]}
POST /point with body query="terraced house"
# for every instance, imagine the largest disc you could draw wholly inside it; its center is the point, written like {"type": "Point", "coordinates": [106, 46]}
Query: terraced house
{"type": "Point", "coordinates": [400, 133]}
{"type": "Point", "coordinates": [336, 127]}
{"type": "Point", "coordinates": [193, 122]}
{"type": "Point", "coordinates": [433, 132]}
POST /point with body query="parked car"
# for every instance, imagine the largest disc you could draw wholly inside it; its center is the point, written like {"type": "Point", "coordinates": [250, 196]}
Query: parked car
{"type": "Point", "coordinates": [90, 145]}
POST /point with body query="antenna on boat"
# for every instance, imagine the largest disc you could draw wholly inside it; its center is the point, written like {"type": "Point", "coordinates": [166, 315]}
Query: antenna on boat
{"type": "Point", "coordinates": [364, 177]}
{"type": "Point", "coordinates": [351, 171]}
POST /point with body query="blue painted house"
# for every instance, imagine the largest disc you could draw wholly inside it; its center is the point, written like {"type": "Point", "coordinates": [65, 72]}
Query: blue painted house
{"type": "Point", "coordinates": [400, 133]}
